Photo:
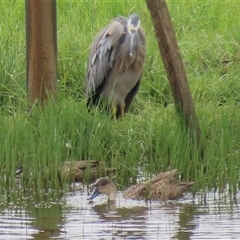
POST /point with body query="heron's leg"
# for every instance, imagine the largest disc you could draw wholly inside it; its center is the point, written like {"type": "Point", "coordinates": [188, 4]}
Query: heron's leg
{"type": "Point", "coordinates": [122, 111]}
{"type": "Point", "coordinates": [114, 112]}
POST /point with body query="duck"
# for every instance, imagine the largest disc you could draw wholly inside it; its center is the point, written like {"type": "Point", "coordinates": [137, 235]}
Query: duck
{"type": "Point", "coordinates": [78, 170]}
{"type": "Point", "coordinates": [163, 186]}
{"type": "Point", "coordinates": [19, 171]}
{"type": "Point", "coordinates": [18, 174]}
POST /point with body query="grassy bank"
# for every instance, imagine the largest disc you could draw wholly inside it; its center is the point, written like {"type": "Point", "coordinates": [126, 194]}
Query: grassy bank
{"type": "Point", "coordinates": [150, 137]}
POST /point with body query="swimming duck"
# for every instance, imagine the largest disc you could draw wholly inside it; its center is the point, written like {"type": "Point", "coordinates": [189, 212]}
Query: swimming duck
{"type": "Point", "coordinates": [19, 171]}
{"type": "Point", "coordinates": [18, 174]}
{"type": "Point", "coordinates": [161, 187]}
{"type": "Point", "coordinates": [77, 170]}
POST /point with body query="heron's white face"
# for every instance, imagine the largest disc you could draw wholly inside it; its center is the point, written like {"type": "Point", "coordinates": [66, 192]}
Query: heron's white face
{"type": "Point", "coordinates": [132, 27]}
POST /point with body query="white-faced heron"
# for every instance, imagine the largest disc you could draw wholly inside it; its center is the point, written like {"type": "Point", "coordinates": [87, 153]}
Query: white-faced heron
{"type": "Point", "coordinates": [116, 64]}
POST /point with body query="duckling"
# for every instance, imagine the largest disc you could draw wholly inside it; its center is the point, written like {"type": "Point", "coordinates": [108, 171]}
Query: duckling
{"type": "Point", "coordinates": [161, 187]}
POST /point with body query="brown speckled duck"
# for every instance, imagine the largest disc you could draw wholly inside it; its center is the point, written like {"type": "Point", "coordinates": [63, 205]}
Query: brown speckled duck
{"type": "Point", "coordinates": [77, 170]}
{"type": "Point", "coordinates": [161, 187]}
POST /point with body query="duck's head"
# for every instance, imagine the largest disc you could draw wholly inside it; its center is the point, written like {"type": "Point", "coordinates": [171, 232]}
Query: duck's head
{"type": "Point", "coordinates": [19, 170]}
{"type": "Point", "coordinates": [104, 186]}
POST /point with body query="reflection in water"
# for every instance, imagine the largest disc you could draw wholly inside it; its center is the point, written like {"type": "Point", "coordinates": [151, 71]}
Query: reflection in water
{"type": "Point", "coordinates": [14, 224]}
{"type": "Point", "coordinates": [127, 219]}
{"type": "Point", "coordinates": [114, 215]}
{"type": "Point", "coordinates": [186, 225]}
{"type": "Point", "coordinates": [46, 220]}
{"type": "Point", "coordinates": [75, 218]}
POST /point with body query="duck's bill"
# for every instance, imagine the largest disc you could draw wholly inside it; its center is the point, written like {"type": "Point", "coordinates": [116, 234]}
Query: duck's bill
{"type": "Point", "coordinates": [94, 194]}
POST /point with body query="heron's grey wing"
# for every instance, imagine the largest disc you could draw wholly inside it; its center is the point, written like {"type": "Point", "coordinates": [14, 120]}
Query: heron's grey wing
{"type": "Point", "coordinates": [102, 56]}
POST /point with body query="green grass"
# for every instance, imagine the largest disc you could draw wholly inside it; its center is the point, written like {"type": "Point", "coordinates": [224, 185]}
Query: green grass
{"type": "Point", "coordinates": [150, 138]}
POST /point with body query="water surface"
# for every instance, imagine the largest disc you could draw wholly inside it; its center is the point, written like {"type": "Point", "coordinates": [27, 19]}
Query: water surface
{"type": "Point", "coordinates": [73, 217]}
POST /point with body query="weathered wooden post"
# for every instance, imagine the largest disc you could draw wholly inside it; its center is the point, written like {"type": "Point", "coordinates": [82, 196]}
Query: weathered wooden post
{"type": "Point", "coordinates": [173, 64]}
{"type": "Point", "coordinates": [41, 45]}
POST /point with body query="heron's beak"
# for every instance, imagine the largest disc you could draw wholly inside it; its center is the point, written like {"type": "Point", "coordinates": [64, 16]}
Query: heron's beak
{"type": "Point", "coordinates": [94, 194]}
{"type": "Point", "coordinates": [133, 35]}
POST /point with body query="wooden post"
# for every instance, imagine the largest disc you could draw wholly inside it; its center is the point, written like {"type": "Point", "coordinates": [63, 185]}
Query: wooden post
{"type": "Point", "coordinates": [173, 64]}
{"type": "Point", "coordinates": [41, 44]}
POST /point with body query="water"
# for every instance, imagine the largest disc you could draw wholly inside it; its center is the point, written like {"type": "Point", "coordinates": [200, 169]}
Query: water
{"type": "Point", "coordinates": [73, 217]}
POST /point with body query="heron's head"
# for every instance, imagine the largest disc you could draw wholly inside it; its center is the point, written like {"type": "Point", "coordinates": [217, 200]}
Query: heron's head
{"type": "Point", "coordinates": [104, 186]}
{"type": "Point", "coordinates": [132, 26]}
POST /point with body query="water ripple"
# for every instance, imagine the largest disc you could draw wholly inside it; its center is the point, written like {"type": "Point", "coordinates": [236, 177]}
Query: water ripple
{"type": "Point", "coordinates": [188, 218]}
